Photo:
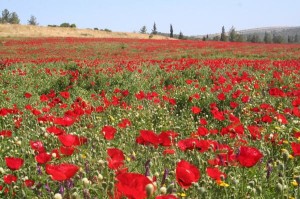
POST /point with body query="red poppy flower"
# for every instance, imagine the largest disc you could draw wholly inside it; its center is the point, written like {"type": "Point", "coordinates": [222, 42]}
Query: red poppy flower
{"type": "Point", "coordinates": [55, 130]}
{"type": "Point", "coordinates": [203, 121]}
{"type": "Point", "coordinates": [148, 137]}
{"type": "Point", "coordinates": [56, 153]}
{"type": "Point", "coordinates": [65, 94]}
{"type": "Point", "coordinates": [196, 110]}
{"type": "Point", "coordinates": [64, 121]}
{"type": "Point", "coordinates": [186, 174]}
{"type": "Point", "coordinates": [61, 172]}
{"type": "Point", "coordinates": [169, 152]}
{"type": "Point", "coordinates": [219, 115]}
{"type": "Point", "coordinates": [29, 183]}
{"type": "Point", "coordinates": [248, 156]}
{"type": "Point", "coordinates": [124, 123]}
{"type": "Point", "coordinates": [296, 148]}
{"type": "Point", "coordinates": [27, 95]}
{"type": "Point", "coordinates": [72, 140]}
{"type": "Point", "coordinates": [255, 132]}
{"type": "Point", "coordinates": [66, 150]}
{"type": "Point", "coordinates": [37, 146]}
{"type": "Point", "coordinates": [214, 173]}
{"type": "Point", "coordinates": [188, 144]}
{"type": "Point", "coordinates": [166, 138]}
{"type": "Point", "coordinates": [116, 158]}
{"type": "Point", "coordinates": [282, 119]}
{"type": "Point", "coordinates": [132, 185]}
{"type": "Point", "coordinates": [202, 131]}
{"type": "Point", "coordinates": [14, 163]}
{"type": "Point", "coordinates": [221, 97]}
{"type": "Point", "coordinates": [8, 179]}
{"type": "Point", "coordinates": [43, 158]}
{"type": "Point", "coordinates": [108, 132]}
{"type": "Point", "coordinates": [6, 133]}
{"type": "Point", "coordinates": [245, 99]}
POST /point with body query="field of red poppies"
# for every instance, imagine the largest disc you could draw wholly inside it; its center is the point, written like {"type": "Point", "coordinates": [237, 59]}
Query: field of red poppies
{"type": "Point", "coordinates": [158, 119]}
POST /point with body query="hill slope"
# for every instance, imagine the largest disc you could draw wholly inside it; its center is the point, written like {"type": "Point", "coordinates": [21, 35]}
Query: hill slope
{"type": "Point", "coordinates": [13, 30]}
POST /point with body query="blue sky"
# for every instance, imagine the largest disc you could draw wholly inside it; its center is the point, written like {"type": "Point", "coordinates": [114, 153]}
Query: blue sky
{"type": "Point", "coordinates": [192, 17]}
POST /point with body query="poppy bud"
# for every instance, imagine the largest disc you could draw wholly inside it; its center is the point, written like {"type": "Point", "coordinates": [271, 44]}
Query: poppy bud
{"type": "Point", "coordinates": [86, 181]}
{"type": "Point", "coordinates": [149, 189]}
{"type": "Point", "coordinates": [279, 187]}
{"type": "Point", "coordinates": [258, 190]}
{"type": "Point", "coordinates": [163, 190]}
{"type": "Point", "coordinates": [75, 195]}
{"type": "Point", "coordinates": [57, 196]}
{"type": "Point", "coordinates": [251, 183]}
{"type": "Point", "coordinates": [202, 190]}
{"type": "Point", "coordinates": [281, 180]}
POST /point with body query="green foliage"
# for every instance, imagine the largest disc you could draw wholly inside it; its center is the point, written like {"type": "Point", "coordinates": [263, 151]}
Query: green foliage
{"type": "Point", "coordinates": [171, 31]}
{"type": "Point", "coordinates": [181, 36]}
{"type": "Point", "coordinates": [65, 25]}
{"type": "Point", "coordinates": [277, 39]}
{"type": "Point", "coordinates": [106, 30]}
{"type": "Point", "coordinates": [253, 38]}
{"type": "Point", "coordinates": [32, 21]}
{"type": "Point", "coordinates": [8, 17]}
{"type": "Point", "coordinates": [232, 35]}
{"type": "Point", "coordinates": [154, 30]}
{"type": "Point", "coordinates": [143, 30]}
{"type": "Point", "coordinates": [223, 35]}
{"type": "Point", "coordinates": [267, 38]}
{"type": "Point", "coordinates": [296, 39]}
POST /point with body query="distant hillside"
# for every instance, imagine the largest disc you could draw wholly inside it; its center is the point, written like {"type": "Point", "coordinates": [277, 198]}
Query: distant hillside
{"type": "Point", "coordinates": [13, 30]}
{"type": "Point", "coordinates": [284, 32]}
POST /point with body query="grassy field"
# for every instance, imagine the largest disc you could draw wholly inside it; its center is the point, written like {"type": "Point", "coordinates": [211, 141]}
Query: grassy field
{"type": "Point", "coordinates": [14, 30]}
{"type": "Point", "coordinates": [139, 118]}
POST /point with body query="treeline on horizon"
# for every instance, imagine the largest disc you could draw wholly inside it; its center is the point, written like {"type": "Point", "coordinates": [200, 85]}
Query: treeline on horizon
{"type": "Point", "coordinates": [231, 36]}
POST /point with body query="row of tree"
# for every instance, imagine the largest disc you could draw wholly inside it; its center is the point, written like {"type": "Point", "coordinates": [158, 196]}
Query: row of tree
{"type": "Point", "coordinates": [13, 18]}
{"type": "Point", "coordinates": [234, 36]}
{"type": "Point", "coordinates": [154, 31]}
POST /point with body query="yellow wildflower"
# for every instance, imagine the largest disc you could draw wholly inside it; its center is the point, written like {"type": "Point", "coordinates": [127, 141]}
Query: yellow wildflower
{"type": "Point", "coordinates": [294, 183]}
{"type": "Point", "coordinates": [285, 142]}
{"type": "Point", "coordinates": [222, 184]}
{"type": "Point", "coordinates": [182, 194]}
{"type": "Point", "coordinates": [112, 118]}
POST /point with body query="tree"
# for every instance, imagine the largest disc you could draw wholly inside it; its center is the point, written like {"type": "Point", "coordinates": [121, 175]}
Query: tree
{"type": "Point", "coordinates": [143, 30]}
{"type": "Point", "coordinates": [255, 38]}
{"type": "Point", "coordinates": [216, 38]}
{"type": "Point", "coordinates": [290, 39]}
{"type": "Point", "coordinates": [240, 38]}
{"type": "Point", "coordinates": [32, 21]}
{"type": "Point", "coordinates": [180, 35]}
{"type": "Point", "coordinates": [5, 16]}
{"type": "Point", "coordinates": [267, 38]}
{"type": "Point", "coordinates": [277, 39]}
{"type": "Point", "coordinates": [223, 35]}
{"type": "Point", "coordinates": [296, 38]}
{"type": "Point", "coordinates": [14, 18]}
{"type": "Point", "coordinates": [154, 30]}
{"type": "Point", "coordinates": [232, 34]}
{"type": "Point", "coordinates": [171, 31]}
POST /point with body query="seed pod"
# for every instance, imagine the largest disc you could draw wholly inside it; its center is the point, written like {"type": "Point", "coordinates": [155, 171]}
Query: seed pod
{"type": "Point", "coordinates": [279, 187]}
